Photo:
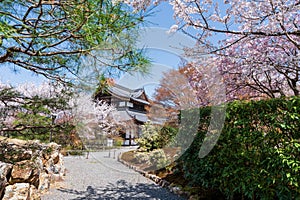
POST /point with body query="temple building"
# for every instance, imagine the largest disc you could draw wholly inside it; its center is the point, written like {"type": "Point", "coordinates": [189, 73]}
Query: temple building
{"type": "Point", "coordinates": [131, 105]}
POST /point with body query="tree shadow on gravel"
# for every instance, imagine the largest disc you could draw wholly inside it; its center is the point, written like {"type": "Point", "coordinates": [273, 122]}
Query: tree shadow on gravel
{"type": "Point", "coordinates": [123, 190]}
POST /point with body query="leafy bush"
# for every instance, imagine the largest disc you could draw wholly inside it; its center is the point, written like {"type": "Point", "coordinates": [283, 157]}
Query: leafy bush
{"type": "Point", "coordinates": [158, 158]}
{"type": "Point", "coordinates": [118, 142]}
{"type": "Point", "coordinates": [155, 137]}
{"type": "Point", "coordinates": [167, 136]}
{"type": "Point", "coordinates": [141, 157]}
{"type": "Point", "coordinates": [257, 155]}
{"type": "Point", "coordinates": [149, 139]}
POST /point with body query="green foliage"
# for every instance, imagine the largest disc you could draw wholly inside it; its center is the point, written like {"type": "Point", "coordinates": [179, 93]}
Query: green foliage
{"type": "Point", "coordinates": [158, 158]}
{"type": "Point", "coordinates": [149, 139]}
{"type": "Point", "coordinates": [118, 142]}
{"type": "Point", "coordinates": [30, 116]}
{"type": "Point", "coordinates": [141, 157]}
{"type": "Point", "coordinates": [155, 137]}
{"type": "Point", "coordinates": [52, 37]}
{"type": "Point", "coordinates": [70, 150]}
{"type": "Point", "coordinates": [257, 155]}
{"type": "Point", "coordinates": [167, 136]}
{"type": "Point", "coordinates": [35, 121]}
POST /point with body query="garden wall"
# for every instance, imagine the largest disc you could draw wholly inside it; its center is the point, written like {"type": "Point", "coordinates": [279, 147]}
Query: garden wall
{"type": "Point", "coordinates": [27, 168]}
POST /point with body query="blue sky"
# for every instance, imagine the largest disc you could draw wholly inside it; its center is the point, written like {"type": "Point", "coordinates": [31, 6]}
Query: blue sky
{"type": "Point", "coordinates": [164, 49]}
{"type": "Point", "coordinates": [161, 58]}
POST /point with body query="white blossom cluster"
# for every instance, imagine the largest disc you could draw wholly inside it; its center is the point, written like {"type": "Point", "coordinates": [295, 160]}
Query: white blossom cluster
{"type": "Point", "coordinates": [93, 117]}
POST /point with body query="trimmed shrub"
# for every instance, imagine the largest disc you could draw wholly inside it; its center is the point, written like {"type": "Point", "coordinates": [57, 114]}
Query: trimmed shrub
{"type": "Point", "coordinates": [257, 155]}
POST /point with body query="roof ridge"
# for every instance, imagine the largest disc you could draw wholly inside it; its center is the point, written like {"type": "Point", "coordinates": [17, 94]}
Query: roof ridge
{"type": "Point", "coordinates": [126, 88]}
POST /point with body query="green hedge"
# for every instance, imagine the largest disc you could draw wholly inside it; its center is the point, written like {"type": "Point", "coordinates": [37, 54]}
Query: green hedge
{"type": "Point", "coordinates": [257, 155]}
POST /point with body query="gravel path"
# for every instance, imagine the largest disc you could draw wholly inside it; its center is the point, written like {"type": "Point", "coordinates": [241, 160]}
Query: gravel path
{"type": "Point", "coordinates": [103, 177]}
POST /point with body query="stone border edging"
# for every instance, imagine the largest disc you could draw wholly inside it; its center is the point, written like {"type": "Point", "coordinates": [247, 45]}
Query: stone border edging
{"type": "Point", "coordinates": [163, 183]}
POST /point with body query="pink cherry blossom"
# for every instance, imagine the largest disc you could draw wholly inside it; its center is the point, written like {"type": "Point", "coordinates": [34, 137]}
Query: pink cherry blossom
{"type": "Point", "coordinates": [254, 44]}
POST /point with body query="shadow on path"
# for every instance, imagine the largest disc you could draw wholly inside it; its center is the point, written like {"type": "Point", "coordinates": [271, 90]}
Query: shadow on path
{"type": "Point", "coordinates": [122, 190]}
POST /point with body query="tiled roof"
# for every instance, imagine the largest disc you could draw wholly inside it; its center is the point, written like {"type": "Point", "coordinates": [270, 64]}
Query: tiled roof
{"type": "Point", "coordinates": [140, 100]}
{"type": "Point", "coordinates": [126, 115]}
{"type": "Point", "coordinates": [142, 117]}
{"type": "Point", "coordinates": [125, 93]}
{"type": "Point", "coordinates": [122, 116]}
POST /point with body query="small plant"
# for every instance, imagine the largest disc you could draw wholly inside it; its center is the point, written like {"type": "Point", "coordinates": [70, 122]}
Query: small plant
{"type": "Point", "coordinates": [75, 153]}
{"type": "Point", "coordinates": [158, 158]}
{"type": "Point", "coordinates": [49, 150]}
{"type": "Point", "coordinates": [141, 157]}
{"type": "Point", "coordinates": [155, 137]}
{"type": "Point", "coordinates": [149, 139]}
{"type": "Point", "coordinates": [118, 142]}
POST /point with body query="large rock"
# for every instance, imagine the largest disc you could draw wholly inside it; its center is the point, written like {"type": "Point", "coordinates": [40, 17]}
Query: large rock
{"type": "Point", "coordinates": [55, 157]}
{"type": "Point", "coordinates": [17, 191]}
{"type": "Point", "coordinates": [25, 172]}
{"type": "Point", "coordinates": [5, 170]}
{"type": "Point", "coordinates": [15, 150]}
{"type": "Point", "coordinates": [3, 183]}
{"type": "Point", "coordinates": [33, 193]}
{"type": "Point", "coordinates": [44, 182]}
{"type": "Point", "coordinates": [54, 165]}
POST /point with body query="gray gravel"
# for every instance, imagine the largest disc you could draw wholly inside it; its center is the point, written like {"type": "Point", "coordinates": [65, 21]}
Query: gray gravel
{"type": "Point", "coordinates": [103, 177]}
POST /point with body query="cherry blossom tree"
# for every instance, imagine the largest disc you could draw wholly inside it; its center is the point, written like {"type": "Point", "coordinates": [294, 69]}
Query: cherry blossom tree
{"type": "Point", "coordinates": [259, 57]}
{"type": "Point", "coordinates": [93, 118]}
{"type": "Point", "coordinates": [238, 20]}
{"type": "Point", "coordinates": [255, 44]}
{"type": "Point", "coordinates": [191, 86]}
{"type": "Point", "coordinates": [261, 67]}
{"type": "Point", "coordinates": [175, 91]}
{"type": "Point", "coordinates": [33, 112]}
